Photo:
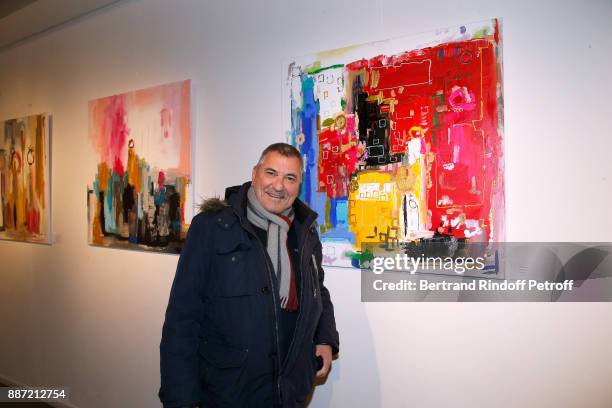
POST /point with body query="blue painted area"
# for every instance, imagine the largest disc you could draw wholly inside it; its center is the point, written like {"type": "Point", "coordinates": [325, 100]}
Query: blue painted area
{"type": "Point", "coordinates": [305, 121]}
{"type": "Point", "coordinates": [338, 214]}
{"type": "Point", "coordinates": [340, 209]}
{"type": "Point", "coordinates": [342, 214]}
{"type": "Point", "coordinates": [109, 192]}
{"type": "Point", "coordinates": [318, 204]}
{"type": "Point", "coordinates": [110, 222]}
{"type": "Point", "coordinates": [332, 211]}
{"type": "Point", "coordinates": [160, 197]}
{"type": "Point", "coordinates": [310, 148]}
{"type": "Point", "coordinates": [334, 240]}
{"type": "Point", "coordinates": [492, 269]}
{"type": "Point", "coordinates": [340, 234]}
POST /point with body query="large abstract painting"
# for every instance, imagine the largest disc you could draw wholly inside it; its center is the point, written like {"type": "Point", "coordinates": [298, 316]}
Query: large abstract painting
{"type": "Point", "coordinates": [24, 179]}
{"type": "Point", "coordinates": [402, 140]}
{"type": "Point", "coordinates": [140, 196]}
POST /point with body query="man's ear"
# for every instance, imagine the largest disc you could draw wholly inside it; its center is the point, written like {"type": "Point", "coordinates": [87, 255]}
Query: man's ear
{"type": "Point", "coordinates": [253, 174]}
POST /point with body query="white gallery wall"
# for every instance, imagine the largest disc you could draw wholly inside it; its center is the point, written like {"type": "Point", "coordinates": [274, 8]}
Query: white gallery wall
{"type": "Point", "coordinates": [90, 318]}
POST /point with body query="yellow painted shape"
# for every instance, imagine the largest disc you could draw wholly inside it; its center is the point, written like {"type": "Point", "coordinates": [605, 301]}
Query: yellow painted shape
{"type": "Point", "coordinates": [103, 175]}
{"type": "Point", "coordinates": [133, 170]}
{"type": "Point", "coordinates": [372, 214]}
{"type": "Point", "coordinates": [391, 102]}
{"type": "Point", "coordinates": [416, 131]}
{"type": "Point", "coordinates": [377, 212]}
{"type": "Point", "coordinates": [378, 98]}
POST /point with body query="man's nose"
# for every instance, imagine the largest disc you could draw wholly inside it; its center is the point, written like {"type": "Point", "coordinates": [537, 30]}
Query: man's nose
{"type": "Point", "coordinates": [278, 183]}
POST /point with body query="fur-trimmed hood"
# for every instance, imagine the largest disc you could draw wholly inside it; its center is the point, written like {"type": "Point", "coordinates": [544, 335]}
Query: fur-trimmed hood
{"type": "Point", "coordinates": [212, 205]}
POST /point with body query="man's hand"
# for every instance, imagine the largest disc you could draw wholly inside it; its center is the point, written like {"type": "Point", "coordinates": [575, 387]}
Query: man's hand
{"type": "Point", "coordinates": [325, 351]}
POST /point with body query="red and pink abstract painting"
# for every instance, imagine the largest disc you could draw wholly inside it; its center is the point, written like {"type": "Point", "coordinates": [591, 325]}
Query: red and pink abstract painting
{"type": "Point", "coordinates": [402, 140]}
{"type": "Point", "coordinates": [140, 197]}
{"type": "Point", "coordinates": [25, 201]}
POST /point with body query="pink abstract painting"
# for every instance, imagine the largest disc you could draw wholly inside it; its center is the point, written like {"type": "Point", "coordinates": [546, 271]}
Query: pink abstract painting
{"type": "Point", "coordinates": [140, 196]}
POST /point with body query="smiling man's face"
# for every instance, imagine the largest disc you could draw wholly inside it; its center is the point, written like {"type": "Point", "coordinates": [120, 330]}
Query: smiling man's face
{"type": "Point", "coordinates": [276, 181]}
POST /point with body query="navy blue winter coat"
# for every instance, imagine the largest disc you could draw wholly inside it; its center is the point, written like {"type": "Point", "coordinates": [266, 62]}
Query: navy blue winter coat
{"type": "Point", "coordinates": [220, 341]}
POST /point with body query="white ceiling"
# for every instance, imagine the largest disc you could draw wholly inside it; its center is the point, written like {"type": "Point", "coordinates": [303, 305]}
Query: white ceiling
{"type": "Point", "coordinates": [21, 20]}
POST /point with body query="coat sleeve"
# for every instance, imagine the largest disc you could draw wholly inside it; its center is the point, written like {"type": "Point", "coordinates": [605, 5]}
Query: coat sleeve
{"type": "Point", "coordinates": [179, 368]}
{"type": "Point", "coordinates": [326, 332]}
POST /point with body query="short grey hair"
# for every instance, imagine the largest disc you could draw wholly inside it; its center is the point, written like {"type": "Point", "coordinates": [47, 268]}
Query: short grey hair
{"type": "Point", "coordinates": [283, 149]}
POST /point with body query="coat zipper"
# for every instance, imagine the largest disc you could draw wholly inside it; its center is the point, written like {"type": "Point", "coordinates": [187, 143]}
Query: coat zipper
{"type": "Point", "coordinates": [303, 279]}
{"type": "Point", "coordinates": [274, 302]}
{"type": "Point", "coordinates": [315, 284]}
{"type": "Point", "coordinates": [266, 260]}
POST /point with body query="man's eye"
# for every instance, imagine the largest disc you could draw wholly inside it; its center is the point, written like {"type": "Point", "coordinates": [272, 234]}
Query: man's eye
{"type": "Point", "coordinates": [291, 179]}
{"type": "Point", "coordinates": [270, 173]}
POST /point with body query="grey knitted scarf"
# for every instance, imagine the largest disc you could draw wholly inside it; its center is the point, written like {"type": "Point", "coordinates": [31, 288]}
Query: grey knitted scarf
{"type": "Point", "coordinates": [277, 227]}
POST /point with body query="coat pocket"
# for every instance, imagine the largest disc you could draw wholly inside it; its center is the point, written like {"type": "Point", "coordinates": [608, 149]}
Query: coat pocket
{"type": "Point", "coordinates": [224, 368]}
{"type": "Point", "coordinates": [232, 276]}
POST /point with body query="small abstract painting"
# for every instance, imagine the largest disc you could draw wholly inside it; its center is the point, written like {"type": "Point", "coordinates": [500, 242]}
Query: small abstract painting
{"type": "Point", "coordinates": [140, 197]}
{"type": "Point", "coordinates": [25, 200]}
{"type": "Point", "coordinates": [402, 141]}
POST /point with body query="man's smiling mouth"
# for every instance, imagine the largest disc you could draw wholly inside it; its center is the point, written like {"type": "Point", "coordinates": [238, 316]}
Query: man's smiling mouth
{"type": "Point", "coordinates": [275, 195]}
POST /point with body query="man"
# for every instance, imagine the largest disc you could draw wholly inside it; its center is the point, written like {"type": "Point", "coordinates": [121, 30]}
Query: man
{"type": "Point", "coordinates": [249, 317]}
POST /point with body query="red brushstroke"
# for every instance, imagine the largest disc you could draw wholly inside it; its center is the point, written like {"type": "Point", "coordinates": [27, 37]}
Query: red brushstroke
{"type": "Point", "coordinates": [406, 73]}
{"type": "Point", "coordinates": [116, 125]}
{"type": "Point", "coordinates": [161, 179]}
{"type": "Point", "coordinates": [118, 167]}
{"type": "Point", "coordinates": [338, 157]}
{"type": "Point", "coordinates": [496, 33]}
{"type": "Point", "coordinates": [33, 221]}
